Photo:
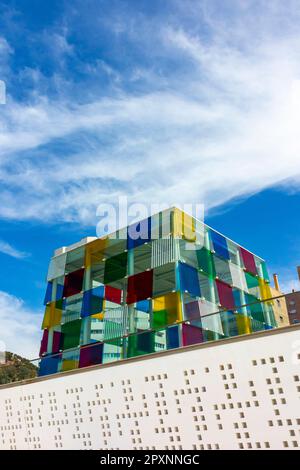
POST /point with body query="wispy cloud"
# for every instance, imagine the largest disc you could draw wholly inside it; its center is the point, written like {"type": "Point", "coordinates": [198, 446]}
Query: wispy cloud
{"type": "Point", "coordinates": [20, 327]}
{"type": "Point", "coordinates": [9, 250]}
{"type": "Point", "coordinates": [221, 122]}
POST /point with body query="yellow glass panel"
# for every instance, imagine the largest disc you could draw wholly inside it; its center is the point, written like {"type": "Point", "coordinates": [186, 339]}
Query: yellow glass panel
{"type": "Point", "coordinates": [243, 324]}
{"type": "Point", "coordinates": [171, 303]}
{"type": "Point", "coordinates": [52, 316]}
{"type": "Point", "coordinates": [184, 226]}
{"type": "Point", "coordinates": [94, 251]}
{"type": "Point", "coordinates": [69, 365]}
{"type": "Point", "coordinates": [265, 290]}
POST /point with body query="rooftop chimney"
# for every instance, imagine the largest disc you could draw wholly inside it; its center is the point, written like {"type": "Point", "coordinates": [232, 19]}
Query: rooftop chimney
{"type": "Point", "coordinates": [276, 283]}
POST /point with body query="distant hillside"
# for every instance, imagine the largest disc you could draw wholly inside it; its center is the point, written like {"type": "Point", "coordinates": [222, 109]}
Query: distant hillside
{"type": "Point", "coordinates": [16, 368]}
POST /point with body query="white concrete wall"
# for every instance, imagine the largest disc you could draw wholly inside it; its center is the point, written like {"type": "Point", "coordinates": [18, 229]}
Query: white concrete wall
{"type": "Point", "coordinates": [199, 398]}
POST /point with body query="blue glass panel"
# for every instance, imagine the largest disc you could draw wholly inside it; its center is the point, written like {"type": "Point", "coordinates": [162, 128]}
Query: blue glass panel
{"type": "Point", "coordinates": [143, 306]}
{"type": "Point", "coordinates": [49, 365]}
{"type": "Point", "coordinates": [92, 302]}
{"type": "Point", "coordinates": [172, 337]}
{"type": "Point", "coordinates": [219, 244]}
{"type": "Point", "coordinates": [188, 278]}
{"type": "Point", "coordinates": [48, 295]}
{"type": "Point", "coordinates": [139, 233]}
{"type": "Point", "coordinates": [59, 291]}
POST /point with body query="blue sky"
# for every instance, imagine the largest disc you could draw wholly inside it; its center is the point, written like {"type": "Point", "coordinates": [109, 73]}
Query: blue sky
{"type": "Point", "coordinates": [162, 101]}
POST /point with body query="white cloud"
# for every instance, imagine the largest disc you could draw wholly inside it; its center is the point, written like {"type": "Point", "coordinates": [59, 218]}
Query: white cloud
{"type": "Point", "coordinates": [20, 327]}
{"type": "Point", "coordinates": [9, 250]}
{"type": "Point", "coordinates": [226, 126]}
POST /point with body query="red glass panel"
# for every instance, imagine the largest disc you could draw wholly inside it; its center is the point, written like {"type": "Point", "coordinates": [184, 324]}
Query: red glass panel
{"type": "Point", "coordinates": [140, 287]}
{"type": "Point", "coordinates": [249, 261]}
{"type": "Point", "coordinates": [73, 283]}
{"type": "Point", "coordinates": [225, 294]}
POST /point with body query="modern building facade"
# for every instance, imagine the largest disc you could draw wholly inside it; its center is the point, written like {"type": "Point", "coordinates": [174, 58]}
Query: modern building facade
{"type": "Point", "coordinates": [163, 283]}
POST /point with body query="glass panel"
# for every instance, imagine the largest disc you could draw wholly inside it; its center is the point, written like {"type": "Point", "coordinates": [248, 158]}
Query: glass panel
{"type": "Point", "coordinates": [57, 342]}
{"type": "Point", "coordinates": [49, 365]}
{"type": "Point", "coordinates": [191, 334]}
{"type": "Point", "coordinates": [92, 301]}
{"type": "Point", "coordinates": [91, 355]}
{"type": "Point", "coordinates": [248, 260]}
{"type": "Point", "coordinates": [57, 267]}
{"type": "Point", "coordinates": [188, 279]}
{"type": "Point", "coordinates": [75, 259]}
{"type": "Point", "coordinates": [223, 271]}
{"type": "Point", "coordinates": [140, 344]}
{"type": "Point", "coordinates": [73, 283]}
{"type": "Point", "coordinates": [238, 277]}
{"type": "Point", "coordinates": [206, 263]}
{"type": "Point", "coordinates": [113, 294]}
{"type": "Point", "coordinates": [225, 295]}
{"type": "Point", "coordinates": [142, 258]}
{"type": "Point", "coordinates": [94, 251]}
{"type": "Point", "coordinates": [219, 244]}
{"type": "Point", "coordinates": [172, 337]}
{"type": "Point", "coordinates": [48, 295]}
{"type": "Point", "coordinates": [71, 334]}
{"type": "Point", "coordinates": [52, 316]}
{"type": "Point", "coordinates": [140, 287]}
{"type": "Point", "coordinates": [70, 360]}
{"type": "Point", "coordinates": [114, 350]}
{"type": "Point", "coordinates": [115, 268]}
{"type": "Point", "coordinates": [166, 310]}
{"type": "Point", "coordinates": [139, 233]}
{"type": "Point", "coordinates": [44, 343]}
{"type": "Point", "coordinates": [73, 308]}
{"type": "Point", "coordinates": [164, 280]}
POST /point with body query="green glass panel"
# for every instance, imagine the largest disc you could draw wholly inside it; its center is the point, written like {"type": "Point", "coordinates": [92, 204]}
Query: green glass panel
{"type": "Point", "coordinates": [139, 344]}
{"type": "Point", "coordinates": [71, 334]}
{"type": "Point", "coordinates": [160, 319]}
{"type": "Point", "coordinates": [265, 271]}
{"type": "Point", "coordinates": [205, 262]}
{"type": "Point", "coordinates": [255, 308]}
{"type": "Point", "coordinates": [115, 268]}
{"type": "Point", "coordinates": [252, 281]}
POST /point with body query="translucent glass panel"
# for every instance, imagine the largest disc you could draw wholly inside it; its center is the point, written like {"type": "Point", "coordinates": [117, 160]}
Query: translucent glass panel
{"type": "Point", "coordinates": [219, 244]}
{"type": "Point", "coordinates": [164, 279]}
{"type": "Point", "coordinates": [223, 271]}
{"type": "Point", "coordinates": [166, 310]}
{"type": "Point", "coordinates": [225, 295]}
{"type": "Point", "coordinates": [71, 334]}
{"type": "Point", "coordinates": [139, 233]}
{"type": "Point", "coordinates": [140, 344]}
{"type": "Point", "coordinates": [53, 315]}
{"type": "Point", "coordinates": [238, 278]}
{"type": "Point", "coordinates": [188, 253]}
{"type": "Point", "coordinates": [248, 260]}
{"type": "Point", "coordinates": [114, 350]}
{"type": "Point", "coordinates": [73, 308]}
{"type": "Point", "coordinates": [49, 365]}
{"type": "Point", "coordinates": [73, 283]}
{"type": "Point", "coordinates": [140, 287]}
{"type": "Point", "coordinates": [44, 343]}
{"type": "Point", "coordinates": [112, 294]}
{"type": "Point", "coordinates": [172, 337]}
{"type": "Point", "coordinates": [191, 334]}
{"type": "Point", "coordinates": [75, 259]}
{"type": "Point", "coordinates": [57, 267]}
{"type": "Point", "coordinates": [188, 279]}
{"type": "Point", "coordinates": [206, 262]}
{"type": "Point", "coordinates": [93, 301]}
{"type": "Point", "coordinates": [91, 355]}
{"type": "Point", "coordinates": [142, 258]}
{"type": "Point", "coordinates": [94, 251]}
{"type": "Point", "coordinates": [70, 360]}
{"type": "Point", "coordinates": [115, 268]}
{"type": "Point", "coordinates": [206, 312]}
{"type": "Point", "coordinates": [265, 291]}
{"type": "Point", "coordinates": [208, 288]}
{"type": "Point", "coordinates": [252, 284]}
{"type": "Point", "coordinates": [56, 342]}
